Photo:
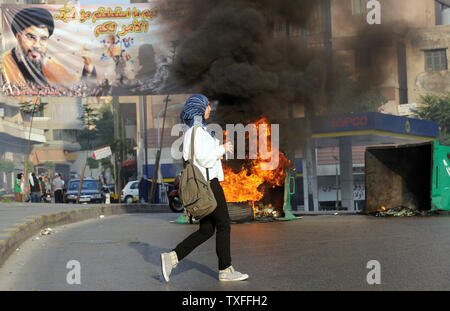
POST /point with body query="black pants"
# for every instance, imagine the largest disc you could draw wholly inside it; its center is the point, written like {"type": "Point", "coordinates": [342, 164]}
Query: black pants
{"type": "Point", "coordinates": [58, 196]}
{"type": "Point", "coordinates": [218, 221]}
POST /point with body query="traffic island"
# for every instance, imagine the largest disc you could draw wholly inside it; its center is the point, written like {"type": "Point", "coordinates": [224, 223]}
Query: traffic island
{"type": "Point", "coordinates": [14, 234]}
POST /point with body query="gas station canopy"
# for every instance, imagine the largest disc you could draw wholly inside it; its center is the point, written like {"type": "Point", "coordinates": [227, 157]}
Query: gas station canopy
{"type": "Point", "coordinates": [372, 128]}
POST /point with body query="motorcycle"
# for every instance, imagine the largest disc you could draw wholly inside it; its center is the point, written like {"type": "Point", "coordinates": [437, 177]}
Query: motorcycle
{"type": "Point", "coordinates": [174, 197]}
{"type": "Point", "coordinates": [47, 197]}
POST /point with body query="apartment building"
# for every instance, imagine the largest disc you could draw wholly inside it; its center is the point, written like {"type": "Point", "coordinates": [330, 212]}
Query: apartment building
{"type": "Point", "coordinates": [405, 57]}
{"type": "Point", "coordinates": [17, 138]}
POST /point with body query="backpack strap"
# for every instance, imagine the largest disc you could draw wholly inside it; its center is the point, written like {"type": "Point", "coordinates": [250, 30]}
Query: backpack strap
{"type": "Point", "coordinates": [191, 158]}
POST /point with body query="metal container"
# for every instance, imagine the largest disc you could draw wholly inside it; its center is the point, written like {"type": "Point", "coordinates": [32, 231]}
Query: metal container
{"type": "Point", "coordinates": [414, 176]}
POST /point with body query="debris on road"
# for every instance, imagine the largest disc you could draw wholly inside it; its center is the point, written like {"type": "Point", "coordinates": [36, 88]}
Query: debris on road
{"type": "Point", "coordinates": [399, 211]}
{"type": "Point", "coordinates": [47, 231]}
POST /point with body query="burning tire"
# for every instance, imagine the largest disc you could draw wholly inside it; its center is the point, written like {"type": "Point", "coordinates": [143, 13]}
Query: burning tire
{"type": "Point", "coordinates": [240, 212]}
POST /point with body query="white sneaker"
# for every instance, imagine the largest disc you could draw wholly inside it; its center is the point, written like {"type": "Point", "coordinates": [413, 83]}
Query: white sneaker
{"type": "Point", "coordinates": [230, 275]}
{"type": "Point", "coordinates": [168, 262]}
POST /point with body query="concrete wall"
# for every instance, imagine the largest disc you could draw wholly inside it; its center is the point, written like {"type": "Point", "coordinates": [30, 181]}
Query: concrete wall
{"type": "Point", "coordinates": [401, 14]}
{"type": "Point", "coordinates": [421, 82]}
{"type": "Point", "coordinates": [77, 167]}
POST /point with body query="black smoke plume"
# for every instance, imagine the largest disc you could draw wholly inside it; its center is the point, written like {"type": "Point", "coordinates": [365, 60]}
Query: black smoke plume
{"type": "Point", "coordinates": [229, 52]}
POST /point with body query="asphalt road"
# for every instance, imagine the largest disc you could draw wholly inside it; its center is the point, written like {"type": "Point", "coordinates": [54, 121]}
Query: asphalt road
{"type": "Point", "coordinates": [313, 253]}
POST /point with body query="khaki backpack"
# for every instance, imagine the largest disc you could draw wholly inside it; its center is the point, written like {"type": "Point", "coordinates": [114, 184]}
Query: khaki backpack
{"type": "Point", "coordinates": [195, 192]}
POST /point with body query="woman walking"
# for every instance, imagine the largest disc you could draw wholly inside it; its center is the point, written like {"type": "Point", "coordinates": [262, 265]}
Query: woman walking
{"type": "Point", "coordinates": [207, 155]}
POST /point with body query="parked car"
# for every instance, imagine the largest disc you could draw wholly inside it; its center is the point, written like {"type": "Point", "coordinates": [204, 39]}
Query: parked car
{"type": "Point", "coordinates": [90, 192]}
{"type": "Point", "coordinates": [130, 193]}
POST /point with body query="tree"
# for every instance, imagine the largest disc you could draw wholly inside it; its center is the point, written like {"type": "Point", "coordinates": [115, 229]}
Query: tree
{"type": "Point", "coordinates": [29, 167]}
{"type": "Point", "coordinates": [30, 107]}
{"type": "Point", "coordinates": [88, 118]}
{"type": "Point", "coordinates": [27, 108]}
{"type": "Point", "coordinates": [107, 165]}
{"type": "Point", "coordinates": [92, 163]}
{"type": "Point", "coordinates": [50, 167]}
{"type": "Point", "coordinates": [6, 166]}
{"type": "Point", "coordinates": [99, 130]}
{"type": "Point", "coordinates": [436, 108]}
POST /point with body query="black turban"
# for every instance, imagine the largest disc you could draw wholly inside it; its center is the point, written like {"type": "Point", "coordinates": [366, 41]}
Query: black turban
{"type": "Point", "coordinates": [32, 17]}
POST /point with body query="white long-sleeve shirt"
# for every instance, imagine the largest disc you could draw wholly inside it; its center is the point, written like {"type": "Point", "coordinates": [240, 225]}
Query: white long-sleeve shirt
{"type": "Point", "coordinates": [207, 152]}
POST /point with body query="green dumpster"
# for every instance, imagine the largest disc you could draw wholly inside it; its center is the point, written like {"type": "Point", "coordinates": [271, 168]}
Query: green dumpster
{"type": "Point", "coordinates": [414, 176]}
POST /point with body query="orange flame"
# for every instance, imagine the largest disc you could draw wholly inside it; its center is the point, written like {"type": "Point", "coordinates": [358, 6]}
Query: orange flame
{"type": "Point", "coordinates": [245, 185]}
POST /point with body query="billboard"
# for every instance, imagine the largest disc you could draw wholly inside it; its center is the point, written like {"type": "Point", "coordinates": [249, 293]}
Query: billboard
{"type": "Point", "coordinates": [86, 50]}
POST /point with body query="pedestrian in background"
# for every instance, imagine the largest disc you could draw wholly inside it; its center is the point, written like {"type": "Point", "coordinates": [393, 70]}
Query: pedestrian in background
{"type": "Point", "coordinates": [35, 188]}
{"type": "Point", "coordinates": [58, 186]}
{"type": "Point", "coordinates": [17, 191]}
{"type": "Point", "coordinates": [207, 155]}
{"type": "Point", "coordinates": [23, 190]}
{"type": "Point", "coordinates": [143, 189]}
{"type": "Point", "coordinates": [42, 182]}
{"type": "Point", "coordinates": [48, 185]}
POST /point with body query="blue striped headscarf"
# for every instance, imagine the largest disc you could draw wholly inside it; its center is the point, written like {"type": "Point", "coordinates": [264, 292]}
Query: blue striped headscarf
{"type": "Point", "coordinates": [194, 110]}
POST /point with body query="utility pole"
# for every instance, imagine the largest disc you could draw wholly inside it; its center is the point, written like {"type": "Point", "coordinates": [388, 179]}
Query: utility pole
{"type": "Point", "coordinates": [158, 155]}
{"type": "Point", "coordinates": [88, 113]}
{"type": "Point", "coordinates": [145, 135]}
{"type": "Point", "coordinates": [36, 101]}
{"type": "Point", "coordinates": [117, 160]}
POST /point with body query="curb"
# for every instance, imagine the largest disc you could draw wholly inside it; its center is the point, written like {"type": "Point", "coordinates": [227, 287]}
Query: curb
{"type": "Point", "coordinates": [11, 238]}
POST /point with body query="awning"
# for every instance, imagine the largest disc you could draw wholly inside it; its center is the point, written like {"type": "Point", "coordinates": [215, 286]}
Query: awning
{"type": "Point", "coordinates": [372, 128]}
{"type": "Point", "coordinates": [446, 2]}
{"type": "Point", "coordinates": [129, 163]}
{"type": "Point", "coordinates": [42, 156]}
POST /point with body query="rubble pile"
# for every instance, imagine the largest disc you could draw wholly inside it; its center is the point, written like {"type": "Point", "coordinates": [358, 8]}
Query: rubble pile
{"type": "Point", "coordinates": [400, 211]}
{"type": "Point", "coordinates": [266, 213]}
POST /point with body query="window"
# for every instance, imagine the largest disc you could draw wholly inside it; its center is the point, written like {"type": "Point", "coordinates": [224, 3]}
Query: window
{"type": "Point", "coordinates": [67, 135]}
{"type": "Point", "coordinates": [134, 185]}
{"type": "Point", "coordinates": [359, 7]}
{"type": "Point", "coordinates": [440, 7]}
{"type": "Point", "coordinates": [436, 60]}
{"type": "Point", "coordinates": [316, 21]}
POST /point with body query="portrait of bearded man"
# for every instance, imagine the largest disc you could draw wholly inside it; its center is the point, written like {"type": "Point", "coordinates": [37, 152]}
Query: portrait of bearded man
{"type": "Point", "coordinates": [27, 63]}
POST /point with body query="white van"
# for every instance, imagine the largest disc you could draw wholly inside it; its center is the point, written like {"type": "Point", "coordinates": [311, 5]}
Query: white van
{"type": "Point", "coordinates": [130, 193]}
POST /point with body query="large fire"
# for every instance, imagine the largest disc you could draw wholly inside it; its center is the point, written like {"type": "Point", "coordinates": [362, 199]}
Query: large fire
{"type": "Point", "coordinates": [246, 185]}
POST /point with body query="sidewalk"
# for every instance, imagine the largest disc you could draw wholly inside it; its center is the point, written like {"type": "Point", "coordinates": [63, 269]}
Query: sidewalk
{"type": "Point", "coordinates": [20, 221]}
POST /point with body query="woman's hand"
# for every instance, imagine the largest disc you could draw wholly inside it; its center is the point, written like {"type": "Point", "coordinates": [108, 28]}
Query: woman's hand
{"type": "Point", "coordinates": [228, 147]}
